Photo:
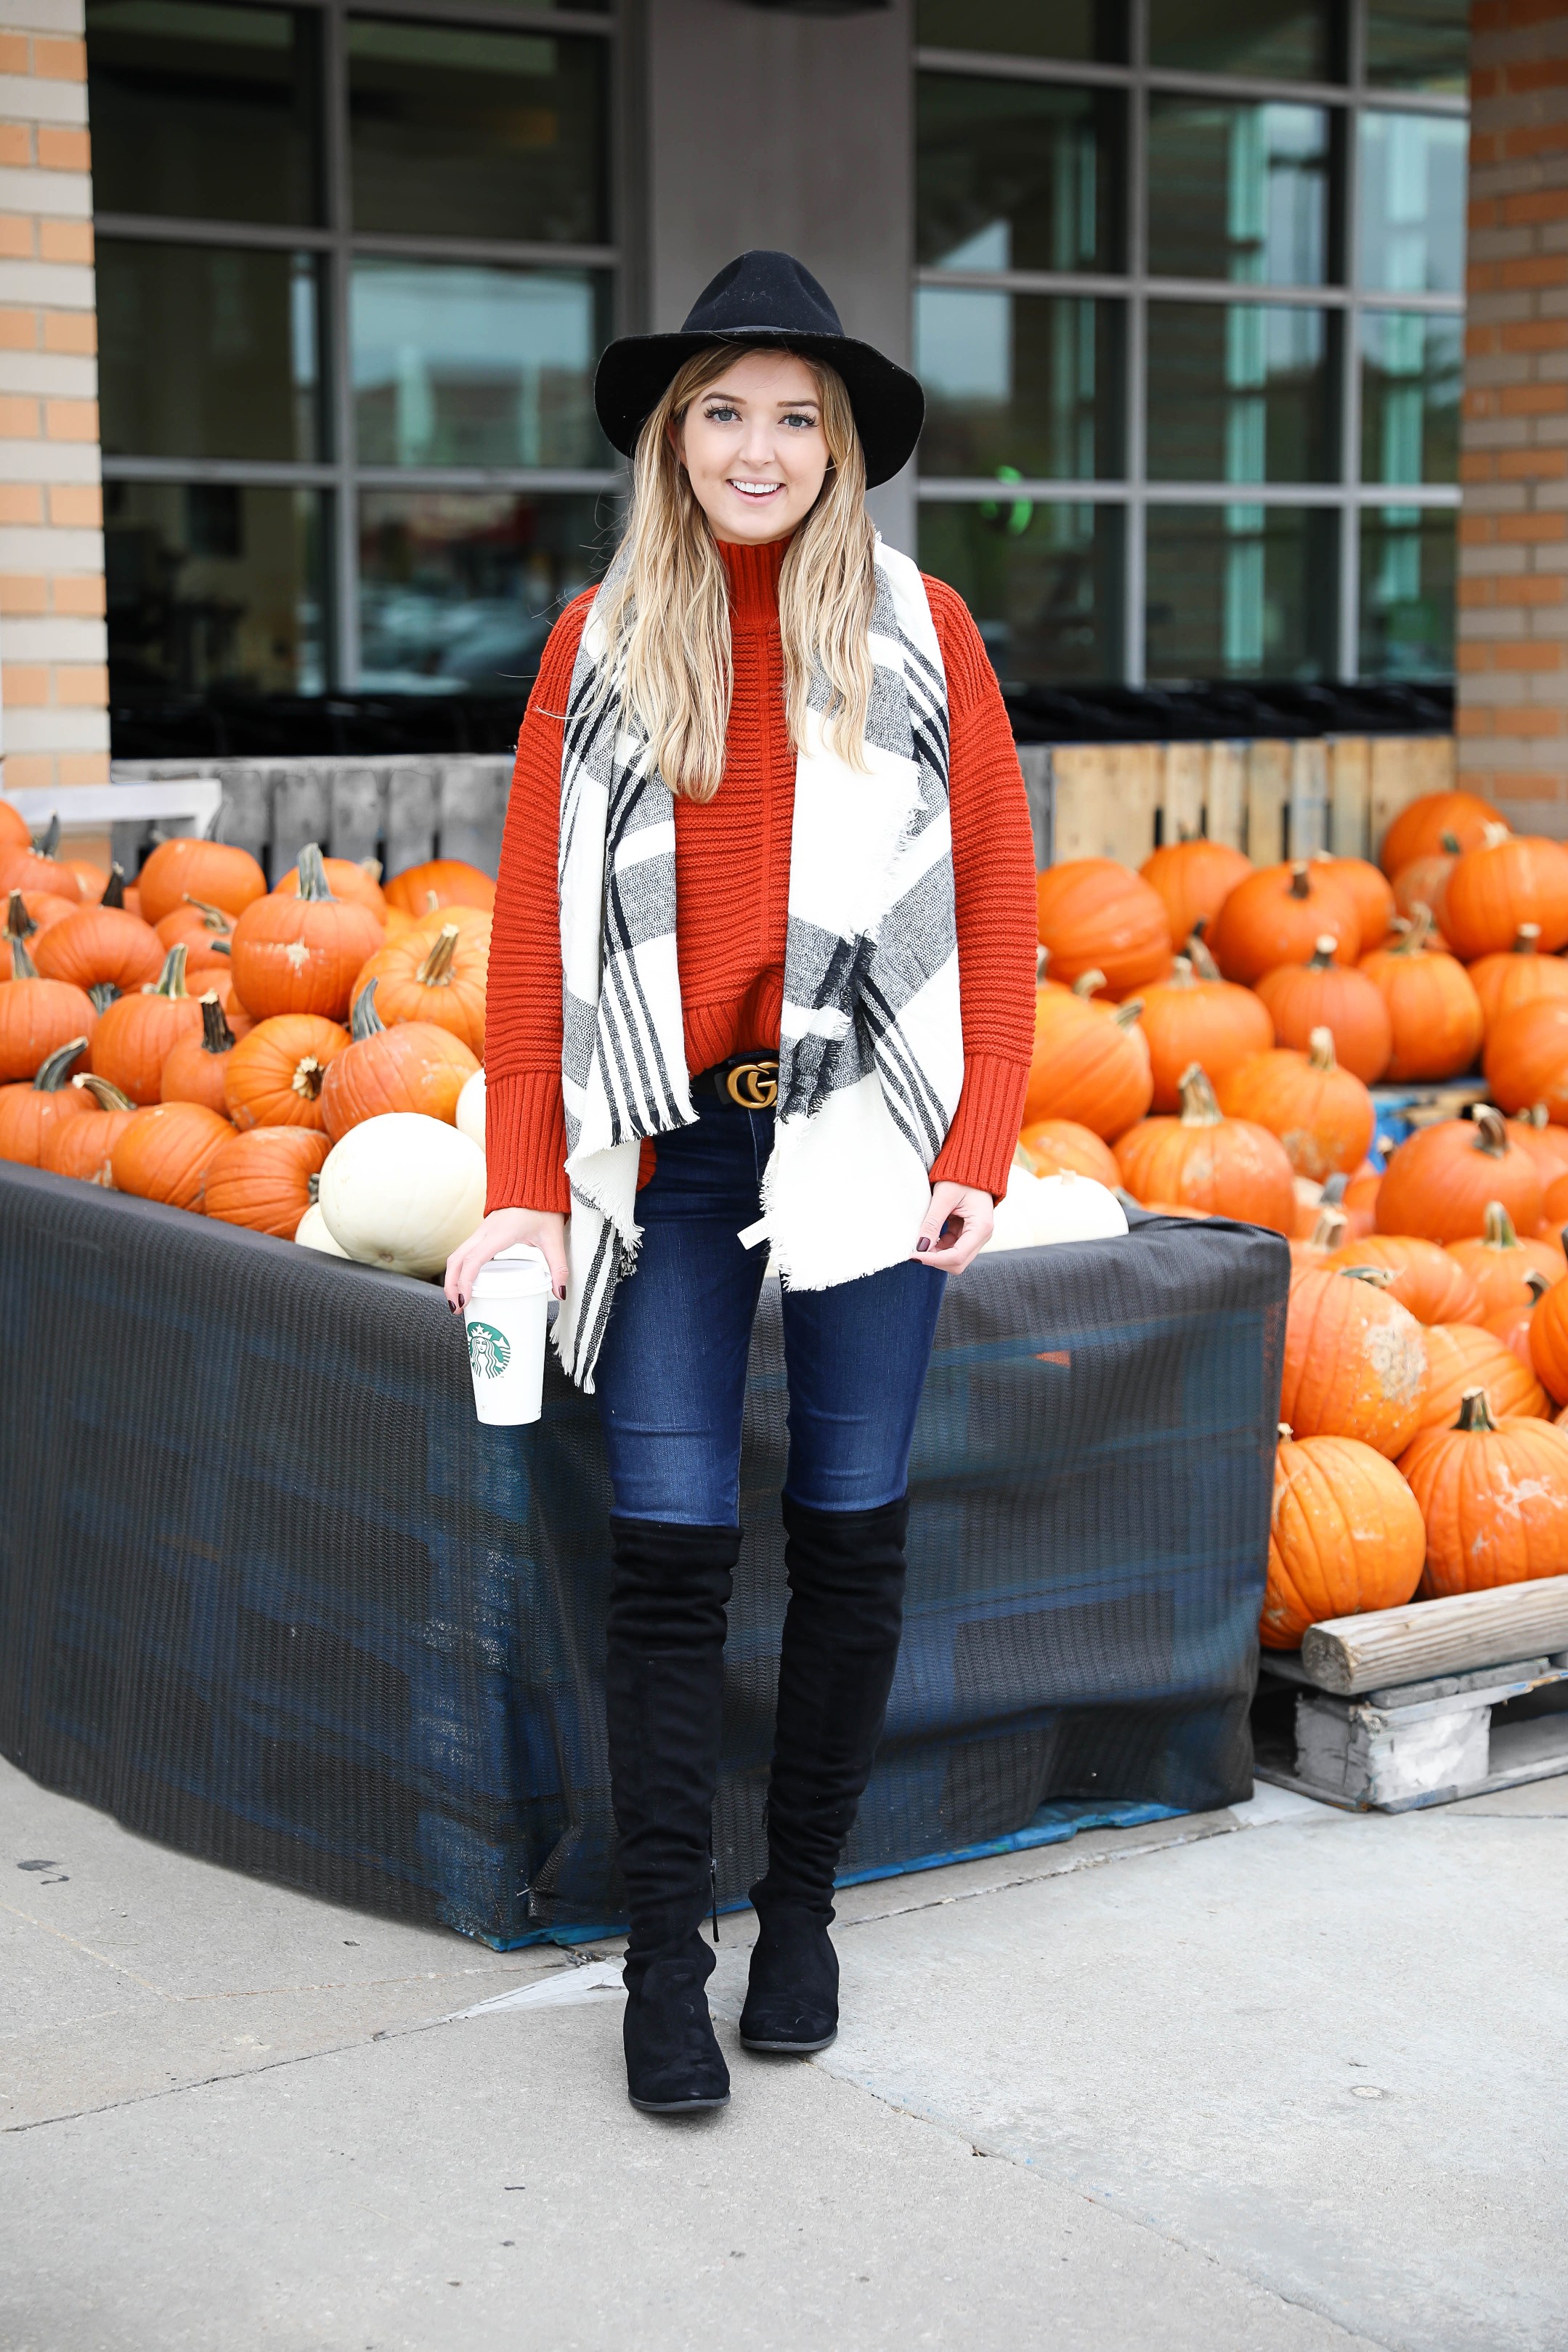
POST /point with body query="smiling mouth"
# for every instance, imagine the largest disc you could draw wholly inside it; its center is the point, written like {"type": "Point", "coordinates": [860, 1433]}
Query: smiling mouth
{"type": "Point", "coordinates": [756, 491]}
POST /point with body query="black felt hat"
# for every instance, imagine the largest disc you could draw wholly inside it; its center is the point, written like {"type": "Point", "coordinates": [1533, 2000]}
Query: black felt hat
{"type": "Point", "coordinates": [768, 302]}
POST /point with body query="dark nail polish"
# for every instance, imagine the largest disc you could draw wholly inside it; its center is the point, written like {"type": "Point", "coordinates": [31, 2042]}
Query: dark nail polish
{"type": "Point", "coordinates": [924, 1243]}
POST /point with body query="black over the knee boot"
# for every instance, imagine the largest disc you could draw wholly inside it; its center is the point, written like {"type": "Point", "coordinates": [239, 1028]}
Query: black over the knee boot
{"type": "Point", "coordinates": [835, 1670]}
{"type": "Point", "coordinates": [663, 1688]}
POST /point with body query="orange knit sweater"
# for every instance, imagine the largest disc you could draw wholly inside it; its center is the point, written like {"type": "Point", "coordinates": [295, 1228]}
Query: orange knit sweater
{"type": "Point", "coordinates": [732, 884]}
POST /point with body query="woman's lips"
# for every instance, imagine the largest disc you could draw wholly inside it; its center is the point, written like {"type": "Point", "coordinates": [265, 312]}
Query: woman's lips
{"type": "Point", "coordinates": [757, 493]}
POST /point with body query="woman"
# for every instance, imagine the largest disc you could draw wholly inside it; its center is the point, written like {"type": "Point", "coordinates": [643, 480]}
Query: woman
{"type": "Point", "coordinates": [762, 971]}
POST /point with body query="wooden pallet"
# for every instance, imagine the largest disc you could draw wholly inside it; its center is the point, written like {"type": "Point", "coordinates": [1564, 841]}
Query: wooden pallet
{"type": "Point", "coordinates": [1412, 1745]}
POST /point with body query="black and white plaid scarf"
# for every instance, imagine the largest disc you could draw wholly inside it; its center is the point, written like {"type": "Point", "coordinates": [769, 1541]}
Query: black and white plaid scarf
{"type": "Point", "coordinates": [870, 1057]}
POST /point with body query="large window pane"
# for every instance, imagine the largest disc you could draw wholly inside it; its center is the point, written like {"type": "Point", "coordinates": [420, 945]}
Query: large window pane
{"type": "Point", "coordinates": [1406, 593]}
{"type": "Point", "coordinates": [213, 587]}
{"type": "Point", "coordinates": [204, 111]}
{"type": "Point", "coordinates": [465, 133]}
{"type": "Point", "coordinates": [1238, 192]}
{"type": "Point", "coordinates": [1278, 39]}
{"type": "Point", "coordinates": [205, 351]}
{"type": "Point", "coordinates": [1044, 584]}
{"type": "Point", "coordinates": [1241, 592]}
{"type": "Point", "coordinates": [1091, 30]}
{"type": "Point", "coordinates": [1413, 203]}
{"type": "Point", "coordinates": [1239, 394]}
{"type": "Point", "coordinates": [459, 591]}
{"type": "Point", "coordinates": [1026, 381]}
{"type": "Point", "coordinates": [1418, 44]}
{"type": "Point", "coordinates": [465, 366]}
{"type": "Point", "coordinates": [1412, 367]}
{"type": "Point", "coordinates": [1017, 176]}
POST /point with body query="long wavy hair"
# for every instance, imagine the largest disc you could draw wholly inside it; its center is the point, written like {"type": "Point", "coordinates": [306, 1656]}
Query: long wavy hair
{"type": "Point", "coordinates": [665, 604]}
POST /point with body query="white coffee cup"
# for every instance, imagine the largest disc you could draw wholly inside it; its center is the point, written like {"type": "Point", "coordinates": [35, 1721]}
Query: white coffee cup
{"type": "Point", "coordinates": [504, 1317]}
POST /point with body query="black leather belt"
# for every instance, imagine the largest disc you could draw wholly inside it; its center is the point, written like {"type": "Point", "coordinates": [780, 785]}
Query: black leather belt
{"type": "Point", "coordinates": [750, 1082]}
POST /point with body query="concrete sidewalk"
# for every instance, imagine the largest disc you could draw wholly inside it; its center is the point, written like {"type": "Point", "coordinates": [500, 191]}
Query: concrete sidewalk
{"type": "Point", "coordinates": [1272, 2080]}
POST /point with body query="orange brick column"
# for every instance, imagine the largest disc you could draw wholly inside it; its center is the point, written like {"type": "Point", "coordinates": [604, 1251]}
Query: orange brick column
{"type": "Point", "coordinates": [54, 677]}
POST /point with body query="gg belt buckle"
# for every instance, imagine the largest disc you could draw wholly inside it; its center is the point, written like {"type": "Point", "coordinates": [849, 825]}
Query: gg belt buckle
{"type": "Point", "coordinates": [753, 1085]}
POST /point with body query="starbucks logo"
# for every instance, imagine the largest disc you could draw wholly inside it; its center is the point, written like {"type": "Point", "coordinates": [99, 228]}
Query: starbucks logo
{"type": "Point", "coordinates": [489, 1350]}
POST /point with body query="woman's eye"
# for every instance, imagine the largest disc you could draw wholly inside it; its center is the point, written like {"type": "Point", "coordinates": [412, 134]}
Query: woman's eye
{"type": "Point", "coordinates": [805, 421]}
{"type": "Point", "coordinates": [722, 414]}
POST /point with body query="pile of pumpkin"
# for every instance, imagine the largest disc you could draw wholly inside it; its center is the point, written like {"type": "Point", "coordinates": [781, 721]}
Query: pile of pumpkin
{"type": "Point", "coordinates": [1206, 1034]}
{"type": "Point", "coordinates": [305, 1061]}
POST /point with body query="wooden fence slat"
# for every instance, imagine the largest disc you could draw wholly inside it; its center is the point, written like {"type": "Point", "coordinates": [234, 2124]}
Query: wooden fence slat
{"type": "Point", "coordinates": [1349, 788]}
{"type": "Point", "coordinates": [1307, 829]}
{"type": "Point", "coordinates": [1035, 759]}
{"type": "Point", "coordinates": [411, 817]}
{"type": "Point", "coordinates": [473, 802]}
{"type": "Point", "coordinates": [1404, 767]}
{"type": "Point", "coordinates": [1185, 785]}
{"type": "Point", "coordinates": [1227, 794]}
{"type": "Point", "coordinates": [1267, 797]}
{"type": "Point", "coordinates": [301, 812]}
{"type": "Point", "coordinates": [1082, 780]}
{"type": "Point", "coordinates": [358, 803]}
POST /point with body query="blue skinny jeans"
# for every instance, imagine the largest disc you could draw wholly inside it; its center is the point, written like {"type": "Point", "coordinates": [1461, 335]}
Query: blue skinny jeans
{"type": "Point", "coordinates": [670, 1378]}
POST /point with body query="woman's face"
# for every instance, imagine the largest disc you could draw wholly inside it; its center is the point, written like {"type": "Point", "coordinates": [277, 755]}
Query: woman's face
{"type": "Point", "coordinates": [753, 448]}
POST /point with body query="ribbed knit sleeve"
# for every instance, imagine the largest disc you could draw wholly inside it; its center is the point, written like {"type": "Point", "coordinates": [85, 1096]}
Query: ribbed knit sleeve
{"type": "Point", "coordinates": [525, 1122]}
{"type": "Point", "coordinates": [993, 882]}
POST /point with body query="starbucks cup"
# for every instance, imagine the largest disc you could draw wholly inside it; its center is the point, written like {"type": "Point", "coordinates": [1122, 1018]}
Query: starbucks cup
{"type": "Point", "coordinates": [506, 1314]}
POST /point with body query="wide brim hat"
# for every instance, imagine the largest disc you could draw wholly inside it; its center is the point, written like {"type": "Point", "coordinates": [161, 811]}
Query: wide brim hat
{"type": "Point", "coordinates": [768, 302]}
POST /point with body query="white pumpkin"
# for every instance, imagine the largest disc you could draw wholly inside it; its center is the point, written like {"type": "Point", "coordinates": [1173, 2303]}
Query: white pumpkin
{"type": "Point", "coordinates": [402, 1190]}
{"type": "Point", "coordinates": [1061, 1208]}
{"type": "Point", "coordinates": [470, 1112]}
{"type": "Point", "coordinates": [311, 1233]}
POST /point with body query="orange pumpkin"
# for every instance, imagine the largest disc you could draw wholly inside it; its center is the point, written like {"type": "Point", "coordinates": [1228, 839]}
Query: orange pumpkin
{"type": "Point", "coordinates": [82, 1147]}
{"type": "Point", "coordinates": [1426, 1279]}
{"type": "Point", "coordinates": [30, 913]}
{"type": "Point", "coordinates": [1515, 1326]}
{"type": "Point", "coordinates": [347, 880]}
{"type": "Point", "coordinates": [1193, 879]}
{"type": "Point", "coordinates": [1526, 1059]}
{"type": "Point", "coordinates": [1186, 1019]}
{"type": "Point", "coordinates": [1049, 1146]}
{"type": "Point", "coordinates": [1434, 1013]}
{"type": "Point", "coordinates": [1511, 881]}
{"type": "Point", "coordinates": [1345, 1535]}
{"type": "Point", "coordinates": [1497, 1261]}
{"type": "Point", "coordinates": [440, 882]}
{"type": "Point", "coordinates": [1360, 1201]}
{"type": "Point", "coordinates": [1324, 995]}
{"type": "Point", "coordinates": [138, 1033]}
{"type": "Point", "coordinates": [1355, 1360]}
{"type": "Point", "coordinates": [1547, 1145]}
{"type": "Point", "coordinates": [26, 869]}
{"type": "Point", "coordinates": [413, 1067]}
{"type": "Point", "coordinates": [1277, 916]}
{"type": "Point", "coordinates": [211, 873]}
{"type": "Point", "coordinates": [1090, 1063]}
{"type": "Point", "coordinates": [166, 1150]}
{"type": "Point", "coordinates": [101, 947]}
{"type": "Point", "coordinates": [196, 1067]}
{"type": "Point", "coordinates": [1418, 829]}
{"type": "Point", "coordinates": [98, 886]}
{"type": "Point", "coordinates": [1095, 914]}
{"type": "Point", "coordinates": [1425, 882]}
{"type": "Point", "coordinates": [1322, 1115]}
{"type": "Point", "coordinates": [1493, 1493]}
{"type": "Point", "coordinates": [262, 1178]}
{"type": "Point", "coordinates": [13, 833]}
{"type": "Point", "coordinates": [442, 979]}
{"type": "Point", "coordinates": [36, 1016]}
{"type": "Point", "coordinates": [28, 1111]}
{"type": "Point", "coordinates": [1549, 1341]}
{"type": "Point", "coordinates": [1367, 889]}
{"type": "Point", "coordinates": [1440, 1180]}
{"type": "Point", "coordinates": [1204, 1161]}
{"type": "Point", "coordinates": [206, 932]}
{"type": "Point", "coordinates": [1320, 1232]}
{"type": "Point", "coordinates": [275, 1076]}
{"type": "Point", "coordinates": [1461, 1356]}
{"type": "Point", "coordinates": [216, 981]}
{"type": "Point", "coordinates": [1518, 975]}
{"type": "Point", "coordinates": [301, 954]}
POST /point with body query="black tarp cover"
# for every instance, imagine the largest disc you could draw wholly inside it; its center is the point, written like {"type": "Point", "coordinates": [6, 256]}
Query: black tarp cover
{"type": "Point", "coordinates": [270, 1594]}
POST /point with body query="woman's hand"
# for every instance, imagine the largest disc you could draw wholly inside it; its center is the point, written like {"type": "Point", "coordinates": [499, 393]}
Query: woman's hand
{"type": "Point", "coordinates": [958, 1223]}
{"type": "Point", "coordinates": [503, 1229]}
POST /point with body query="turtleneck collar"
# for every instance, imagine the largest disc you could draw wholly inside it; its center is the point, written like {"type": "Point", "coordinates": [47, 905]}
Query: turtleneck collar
{"type": "Point", "coordinates": [753, 575]}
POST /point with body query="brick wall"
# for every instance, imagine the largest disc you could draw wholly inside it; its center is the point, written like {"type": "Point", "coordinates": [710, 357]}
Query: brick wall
{"type": "Point", "coordinates": [1512, 621]}
{"type": "Point", "coordinates": [54, 678]}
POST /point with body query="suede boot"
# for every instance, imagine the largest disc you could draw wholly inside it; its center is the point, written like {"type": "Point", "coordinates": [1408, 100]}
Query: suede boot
{"type": "Point", "coordinates": [840, 1645]}
{"type": "Point", "coordinates": [663, 1688]}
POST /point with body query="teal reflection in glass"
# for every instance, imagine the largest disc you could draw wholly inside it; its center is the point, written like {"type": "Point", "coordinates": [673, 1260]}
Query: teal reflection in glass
{"type": "Point", "coordinates": [1241, 592]}
{"type": "Point", "coordinates": [1239, 393]}
{"type": "Point", "coordinates": [1017, 174]}
{"type": "Point", "coordinates": [1238, 192]}
{"type": "Point", "coordinates": [1412, 366]}
{"type": "Point", "coordinates": [1407, 568]}
{"type": "Point", "coordinates": [455, 364]}
{"type": "Point", "coordinates": [213, 587]}
{"type": "Point", "coordinates": [1411, 202]}
{"type": "Point", "coordinates": [1043, 582]}
{"type": "Point", "coordinates": [207, 351]}
{"type": "Point", "coordinates": [1018, 379]}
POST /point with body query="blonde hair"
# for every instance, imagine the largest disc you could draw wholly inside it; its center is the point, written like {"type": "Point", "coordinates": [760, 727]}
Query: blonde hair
{"type": "Point", "coordinates": [665, 602]}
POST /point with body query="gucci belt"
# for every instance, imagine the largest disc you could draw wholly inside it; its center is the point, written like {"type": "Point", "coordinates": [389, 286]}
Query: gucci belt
{"type": "Point", "coordinates": [750, 1082]}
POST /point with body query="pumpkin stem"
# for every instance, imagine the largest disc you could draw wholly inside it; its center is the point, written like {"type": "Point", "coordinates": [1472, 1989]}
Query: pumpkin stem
{"type": "Point", "coordinates": [216, 1034]}
{"type": "Point", "coordinates": [104, 1091]}
{"type": "Point", "coordinates": [19, 924]}
{"type": "Point", "coordinates": [1320, 1050]}
{"type": "Point", "coordinates": [313, 1186]}
{"type": "Point", "coordinates": [1450, 842]}
{"type": "Point", "coordinates": [1088, 983]}
{"type": "Point", "coordinates": [365, 1021]}
{"type": "Point", "coordinates": [1181, 973]}
{"type": "Point", "coordinates": [1287, 1434]}
{"type": "Point", "coordinates": [1332, 1227]}
{"type": "Point", "coordinates": [171, 981]}
{"type": "Point", "coordinates": [1537, 1116]}
{"type": "Point", "coordinates": [1333, 1190]}
{"type": "Point", "coordinates": [436, 972]}
{"type": "Point", "coordinates": [1125, 1015]}
{"type": "Point", "coordinates": [55, 1068]}
{"type": "Point", "coordinates": [431, 902]}
{"type": "Point", "coordinates": [1199, 1107]}
{"type": "Point", "coordinates": [1419, 932]}
{"type": "Point", "coordinates": [114, 888]}
{"type": "Point", "coordinates": [1203, 963]}
{"type": "Point", "coordinates": [1379, 1277]}
{"type": "Point", "coordinates": [312, 882]}
{"type": "Point", "coordinates": [1323, 952]}
{"type": "Point", "coordinates": [1300, 880]}
{"type": "Point", "coordinates": [213, 917]}
{"type": "Point", "coordinates": [1537, 1284]}
{"type": "Point", "coordinates": [1497, 1228]}
{"type": "Point", "coordinates": [1041, 959]}
{"type": "Point", "coordinates": [309, 1074]}
{"type": "Point", "coordinates": [1493, 835]}
{"type": "Point", "coordinates": [1475, 1412]}
{"type": "Point", "coordinates": [47, 844]}
{"type": "Point", "coordinates": [372, 867]}
{"type": "Point", "coordinates": [1491, 1134]}
{"type": "Point", "coordinates": [102, 994]}
{"type": "Point", "coordinates": [22, 964]}
{"type": "Point", "coordinates": [1525, 939]}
